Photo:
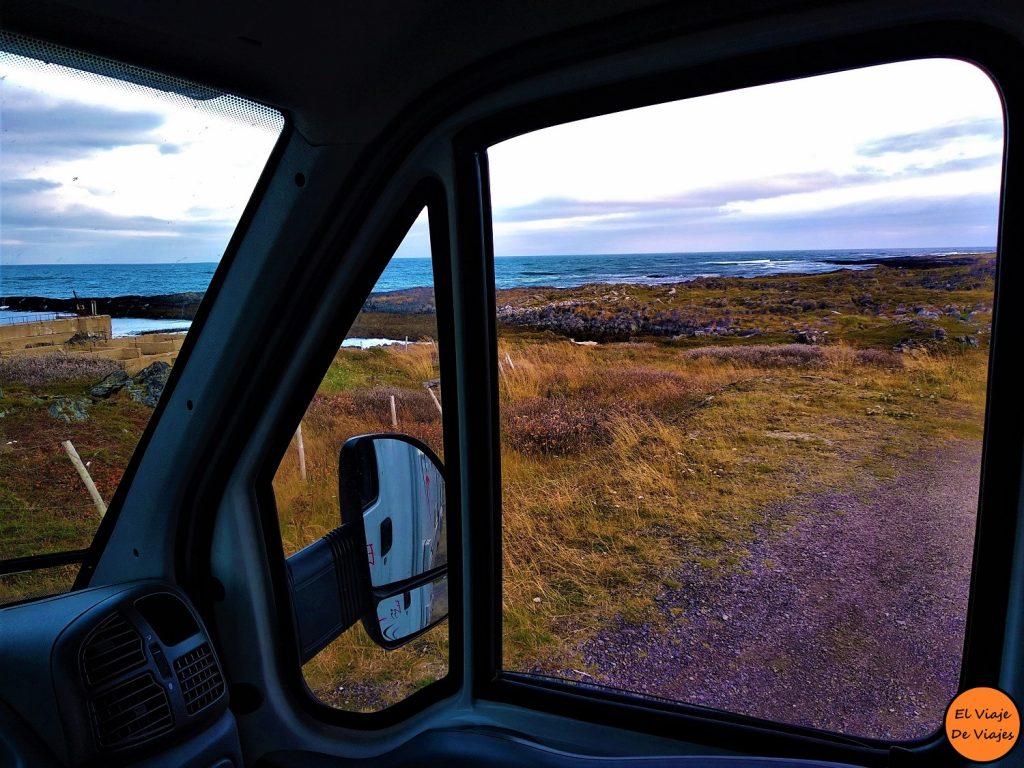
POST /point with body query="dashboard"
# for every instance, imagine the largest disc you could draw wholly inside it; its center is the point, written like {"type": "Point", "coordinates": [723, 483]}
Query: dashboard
{"type": "Point", "coordinates": [119, 675]}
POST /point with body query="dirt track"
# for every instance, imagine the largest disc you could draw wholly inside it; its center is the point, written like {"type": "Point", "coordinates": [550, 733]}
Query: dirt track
{"type": "Point", "coordinates": [851, 618]}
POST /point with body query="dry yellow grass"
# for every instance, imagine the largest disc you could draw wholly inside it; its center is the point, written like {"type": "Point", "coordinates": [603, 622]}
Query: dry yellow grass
{"type": "Point", "coordinates": [352, 672]}
{"type": "Point", "coordinates": [596, 532]}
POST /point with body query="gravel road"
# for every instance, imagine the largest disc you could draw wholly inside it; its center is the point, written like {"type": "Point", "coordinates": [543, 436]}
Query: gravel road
{"type": "Point", "coordinates": [849, 617]}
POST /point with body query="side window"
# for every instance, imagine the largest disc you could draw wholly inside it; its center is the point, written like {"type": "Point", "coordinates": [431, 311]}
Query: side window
{"type": "Point", "coordinates": [743, 345]}
{"type": "Point", "coordinates": [117, 202]}
{"type": "Point", "coordinates": [385, 378]}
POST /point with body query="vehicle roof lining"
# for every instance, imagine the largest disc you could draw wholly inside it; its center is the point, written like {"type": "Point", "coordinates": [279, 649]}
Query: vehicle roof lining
{"type": "Point", "coordinates": [374, 59]}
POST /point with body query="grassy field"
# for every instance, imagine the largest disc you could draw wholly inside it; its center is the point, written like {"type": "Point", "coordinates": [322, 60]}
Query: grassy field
{"type": "Point", "coordinates": [43, 504]}
{"type": "Point", "coordinates": [622, 459]}
{"type": "Point", "coordinates": [703, 404]}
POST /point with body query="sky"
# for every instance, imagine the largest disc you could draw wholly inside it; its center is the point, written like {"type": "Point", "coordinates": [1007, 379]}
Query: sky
{"type": "Point", "coordinates": [96, 171]}
{"type": "Point", "coordinates": [904, 155]}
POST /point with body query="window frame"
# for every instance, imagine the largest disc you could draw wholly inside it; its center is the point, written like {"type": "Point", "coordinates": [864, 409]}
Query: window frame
{"type": "Point", "coordinates": [428, 194]}
{"type": "Point", "coordinates": [994, 53]}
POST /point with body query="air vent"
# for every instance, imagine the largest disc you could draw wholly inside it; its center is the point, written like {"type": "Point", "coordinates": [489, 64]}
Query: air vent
{"type": "Point", "coordinates": [199, 678]}
{"type": "Point", "coordinates": [132, 712]}
{"type": "Point", "coordinates": [113, 648]}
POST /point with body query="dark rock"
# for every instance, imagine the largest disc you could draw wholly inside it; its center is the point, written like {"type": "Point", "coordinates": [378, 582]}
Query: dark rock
{"type": "Point", "coordinates": [805, 337]}
{"type": "Point", "coordinates": [85, 338]}
{"type": "Point", "coordinates": [68, 409]}
{"type": "Point", "coordinates": [589, 321]}
{"type": "Point", "coordinates": [111, 384]}
{"type": "Point", "coordinates": [967, 341]}
{"type": "Point", "coordinates": [939, 334]}
{"type": "Point", "coordinates": [866, 301]}
{"type": "Point", "coordinates": [148, 384]}
{"type": "Point", "coordinates": [167, 306]}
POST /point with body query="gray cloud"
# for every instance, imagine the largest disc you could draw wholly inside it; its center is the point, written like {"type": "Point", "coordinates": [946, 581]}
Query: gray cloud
{"type": "Point", "coordinates": [933, 138]}
{"type": "Point", "coordinates": [709, 197]}
{"type": "Point", "coordinates": [38, 130]}
{"type": "Point", "coordinates": [68, 129]}
{"type": "Point", "coordinates": [955, 165]}
{"type": "Point", "coordinates": [27, 186]}
{"type": "Point", "coordinates": [958, 220]}
{"type": "Point", "coordinates": [88, 235]}
{"type": "Point", "coordinates": [706, 202]}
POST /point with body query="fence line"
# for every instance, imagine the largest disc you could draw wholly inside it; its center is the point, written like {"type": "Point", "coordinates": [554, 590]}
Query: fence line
{"type": "Point", "coordinates": [34, 317]}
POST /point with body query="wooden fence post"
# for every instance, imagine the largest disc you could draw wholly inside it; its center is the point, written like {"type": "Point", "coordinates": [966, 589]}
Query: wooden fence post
{"type": "Point", "coordinates": [434, 398]}
{"type": "Point", "coordinates": [302, 452]}
{"type": "Point", "coordinates": [83, 473]}
{"type": "Point", "coordinates": [394, 413]}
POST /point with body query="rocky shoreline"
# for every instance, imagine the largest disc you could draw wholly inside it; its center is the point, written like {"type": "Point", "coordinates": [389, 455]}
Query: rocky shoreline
{"type": "Point", "coordinates": [171, 306]}
{"type": "Point", "coordinates": [902, 302]}
{"type": "Point", "coordinates": [598, 312]}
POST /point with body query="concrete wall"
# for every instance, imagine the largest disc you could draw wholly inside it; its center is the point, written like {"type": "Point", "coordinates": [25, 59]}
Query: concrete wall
{"type": "Point", "coordinates": [51, 332]}
{"type": "Point", "coordinates": [50, 336]}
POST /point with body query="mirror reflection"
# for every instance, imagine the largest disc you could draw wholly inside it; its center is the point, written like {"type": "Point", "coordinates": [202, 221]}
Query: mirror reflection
{"type": "Point", "coordinates": [405, 520]}
{"type": "Point", "coordinates": [412, 611]}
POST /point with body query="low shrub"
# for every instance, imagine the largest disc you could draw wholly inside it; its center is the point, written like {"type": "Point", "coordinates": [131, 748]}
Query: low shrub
{"type": "Point", "coordinates": [882, 358]}
{"type": "Point", "coordinates": [555, 426]}
{"type": "Point", "coordinates": [766, 355]}
{"type": "Point", "coordinates": [35, 371]}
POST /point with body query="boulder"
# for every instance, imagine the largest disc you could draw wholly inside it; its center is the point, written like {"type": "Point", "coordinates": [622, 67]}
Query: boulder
{"type": "Point", "coordinates": [68, 409]}
{"type": "Point", "coordinates": [111, 384]}
{"type": "Point", "coordinates": [148, 384]}
{"type": "Point", "coordinates": [805, 337]}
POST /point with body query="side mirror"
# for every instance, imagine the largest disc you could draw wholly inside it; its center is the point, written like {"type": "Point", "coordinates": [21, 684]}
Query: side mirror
{"type": "Point", "coordinates": [387, 563]}
{"type": "Point", "coordinates": [393, 487]}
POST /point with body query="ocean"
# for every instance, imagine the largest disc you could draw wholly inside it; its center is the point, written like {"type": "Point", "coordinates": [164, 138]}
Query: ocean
{"type": "Point", "coordinates": [92, 280]}
{"type": "Point", "coordinates": [65, 280]}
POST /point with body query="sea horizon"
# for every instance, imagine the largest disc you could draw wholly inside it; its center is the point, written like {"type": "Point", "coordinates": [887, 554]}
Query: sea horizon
{"type": "Point", "coordinates": [64, 281]}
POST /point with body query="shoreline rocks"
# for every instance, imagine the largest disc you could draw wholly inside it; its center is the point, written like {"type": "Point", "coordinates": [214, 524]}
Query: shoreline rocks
{"type": "Point", "coordinates": [144, 387]}
{"type": "Point", "coordinates": [171, 306]}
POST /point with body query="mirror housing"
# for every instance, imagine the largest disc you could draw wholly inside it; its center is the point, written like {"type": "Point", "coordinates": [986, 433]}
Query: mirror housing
{"type": "Point", "coordinates": [387, 562]}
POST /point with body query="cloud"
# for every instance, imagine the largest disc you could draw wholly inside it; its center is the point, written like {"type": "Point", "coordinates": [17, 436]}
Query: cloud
{"type": "Point", "coordinates": [65, 128]}
{"type": "Point", "coordinates": [708, 197]}
{"type": "Point", "coordinates": [27, 186]}
{"type": "Point", "coordinates": [83, 234]}
{"type": "Point", "coordinates": [968, 220]}
{"type": "Point", "coordinates": [38, 130]}
{"type": "Point", "coordinates": [933, 138]}
{"type": "Point", "coordinates": [714, 201]}
{"type": "Point", "coordinates": [956, 165]}
{"type": "Point", "coordinates": [40, 226]}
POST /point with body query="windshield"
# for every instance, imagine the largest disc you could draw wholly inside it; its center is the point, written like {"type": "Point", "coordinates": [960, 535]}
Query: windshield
{"type": "Point", "coordinates": [118, 196]}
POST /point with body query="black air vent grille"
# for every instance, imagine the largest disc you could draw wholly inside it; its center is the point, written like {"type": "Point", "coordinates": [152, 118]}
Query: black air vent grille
{"type": "Point", "coordinates": [112, 648]}
{"type": "Point", "coordinates": [131, 712]}
{"type": "Point", "coordinates": [199, 678]}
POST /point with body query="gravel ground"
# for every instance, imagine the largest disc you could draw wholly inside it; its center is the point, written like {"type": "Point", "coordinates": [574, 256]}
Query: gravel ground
{"type": "Point", "coordinates": [849, 617]}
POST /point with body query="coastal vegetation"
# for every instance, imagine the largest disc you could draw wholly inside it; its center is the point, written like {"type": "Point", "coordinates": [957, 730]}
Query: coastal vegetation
{"type": "Point", "coordinates": [643, 429]}
{"type": "Point", "coordinates": [624, 460]}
